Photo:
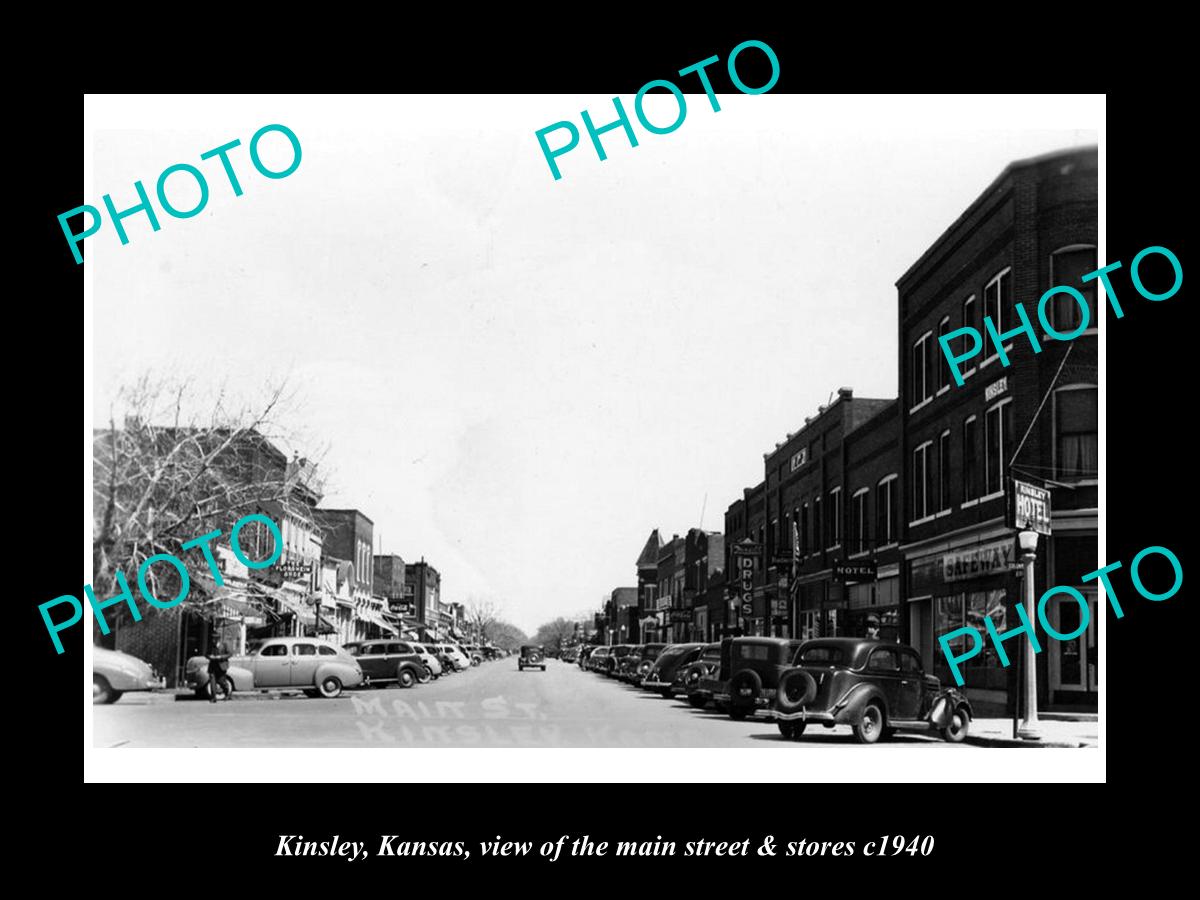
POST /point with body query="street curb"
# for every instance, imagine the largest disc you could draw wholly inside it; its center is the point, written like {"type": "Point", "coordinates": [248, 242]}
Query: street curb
{"type": "Point", "coordinates": [1013, 742]}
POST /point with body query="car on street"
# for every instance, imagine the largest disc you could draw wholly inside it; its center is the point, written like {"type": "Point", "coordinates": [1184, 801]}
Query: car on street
{"type": "Point", "coordinates": [531, 658]}
{"type": "Point", "coordinates": [584, 653]}
{"type": "Point", "coordinates": [665, 673]}
{"type": "Point", "coordinates": [474, 653]}
{"type": "Point", "coordinates": [616, 653]}
{"type": "Point", "coordinates": [634, 666]}
{"type": "Point", "coordinates": [384, 662]}
{"type": "Point", "coordinates": [597, 660]}
{"type": "Point", "coordinates": [457, 656]}
{"type": "Point", "coordinates": [875, 687]}
{"type": "Point", "coordinates": [751, 672]}
{"type": "Point", "coordinates": [311, 665]}
{"type": "Point", "coordinates": [694, 674]}
{"type": "Point", "coordinates": [115, 673]}
{"type": "Point", "coordinates": [432, 663]}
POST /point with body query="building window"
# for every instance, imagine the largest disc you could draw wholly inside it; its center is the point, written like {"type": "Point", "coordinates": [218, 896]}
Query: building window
{"type": "Point", "coordinates": [943, 365]}
{"type": "Point", "coordinates": [816, 534]}
{"type": "Point", "coordinates": [921, 361]}
{"type": "Point", "coordinates": [970, 319]}
{"type": "Point", "coordinates": [804, 528]}
{"type": "Point", "coordinates": [1067, 267]}
{"type": "Point", "coordinates": [944, 471]}
{"type": "Point", "coordinates": [1075, 439]}
{"type": "Point", "coordinates": [970, 476]}
{"type": "Point", "coordinates": [835, 517]}
{"type": "Point", "coordinates": [997, 297]}
{"type": "Point", "coordinates": [920, 481]}
{"type": "Point", "coordinates": [858, 521]}
{"type": "Point", "coordinates": [996, 446]}
{"type": "Point", "coordinates": [885, 515]}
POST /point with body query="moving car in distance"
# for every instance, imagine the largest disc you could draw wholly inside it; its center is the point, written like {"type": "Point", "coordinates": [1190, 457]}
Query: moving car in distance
{"type": "Point", "coordinates": [311, 665]}
{"type": "Point", "coordinates": [665, 673]}
{"type": "Point", "coordinates": [754, 666]}
{"type": "Point", "coordinates": [531, 658]}
{"type": "Point", "coordinates": [707, 664]}
{"type": "Point", "coordinates": [875, 687]}
{"type": "Point", "coordinates": [115, 673]}
{"type": "Point", "coordinates": [383, 662]}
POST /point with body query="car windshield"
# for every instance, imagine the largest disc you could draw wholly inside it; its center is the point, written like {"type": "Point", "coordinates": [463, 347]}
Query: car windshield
{"type": "Point", "coordinates": [712, 654]}
{"type": "Point", "coordinates": [827, 656]}
{"type": "Point", "coordinates": [620, 651]}
{"type": "Point", "coordinates": [418, 648]}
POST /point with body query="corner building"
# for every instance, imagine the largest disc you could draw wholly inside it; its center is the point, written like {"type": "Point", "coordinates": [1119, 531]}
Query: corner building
{"type": "Point", "coordinates": [1033, 228]}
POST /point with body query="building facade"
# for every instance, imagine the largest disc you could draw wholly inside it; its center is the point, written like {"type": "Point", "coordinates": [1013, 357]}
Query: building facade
{"type": "Point", "coordinates": [1033, 228]}
{"type": "Point", "coordinates": [424, 586]}
{"type": "Point", "coordinates": [349, 535]}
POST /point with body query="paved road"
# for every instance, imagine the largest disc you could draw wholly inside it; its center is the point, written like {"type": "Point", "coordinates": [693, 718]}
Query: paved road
{"type": "Point", "coordinates": [492, 705]}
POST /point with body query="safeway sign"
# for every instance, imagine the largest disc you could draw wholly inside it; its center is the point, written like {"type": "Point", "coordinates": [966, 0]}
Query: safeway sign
{"type": "Point", "coordinates": [1029, 507]}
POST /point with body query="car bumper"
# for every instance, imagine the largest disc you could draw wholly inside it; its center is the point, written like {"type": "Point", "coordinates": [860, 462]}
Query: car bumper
{"type": "Point", "coordinates": [657, 685]}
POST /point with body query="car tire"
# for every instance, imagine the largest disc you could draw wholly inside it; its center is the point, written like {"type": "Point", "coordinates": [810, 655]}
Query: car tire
{"type": "Point", "coordinates": [426, 677]}
{"type": "Point", "coordinates": [405, 678]}
{"type": "Point", "coordinates": [102, 691]}
{"type": "Point", "coordinates": [330, 687]}
{"type": "Point", "coordinates": [956, 731]}
{"type": "Point", "coordinates": [312, 693]}
{"type": "Point", "coordinates": [698, 702]}
{"type": "Point", "coordinates": [792, 730]}
{"type": "Point", "coordinates": [797, 689]}
{"type": "Point", "coordinates": [226, 688]}
{"type": "Point", "coordinates": [869, 728]}
{"type": "Point", "coordinates": [543, 668]}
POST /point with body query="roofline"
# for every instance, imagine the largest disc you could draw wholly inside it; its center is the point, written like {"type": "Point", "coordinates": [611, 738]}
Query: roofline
{"type": "Point", "coordinates": [985, 194]}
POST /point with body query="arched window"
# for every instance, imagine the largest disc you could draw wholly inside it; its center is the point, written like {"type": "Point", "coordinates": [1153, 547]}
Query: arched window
{"type": "Point", "coordinates": [1076, 444]}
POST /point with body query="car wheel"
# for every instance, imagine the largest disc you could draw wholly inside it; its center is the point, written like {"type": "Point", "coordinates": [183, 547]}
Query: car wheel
{"type": "Point", "coordinates": [870, 727]}
{"type": "Point", "coordinates": [792, 730]}
{"type": "Point", "coordinates": [426, 676]}
{"type": "Point", "coordinates": [406, 678]}
{"type": "Point", "coordinates": [330, 687]}
{"type": "Point", "coordinates": [543, 668]}
{"type": "Point", "coordinates": [956, 731]}
{"type": "Point", "coordinates": [698, 702]}
{"type": "Point", "coordinates": [102, 691]}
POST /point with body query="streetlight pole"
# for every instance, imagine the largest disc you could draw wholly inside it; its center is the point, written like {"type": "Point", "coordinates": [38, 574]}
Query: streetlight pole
{"type": "Point", "coordinates": [1030, 729]}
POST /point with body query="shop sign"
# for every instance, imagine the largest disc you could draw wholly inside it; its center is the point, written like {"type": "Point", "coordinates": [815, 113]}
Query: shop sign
{"type": "Point", "coordinates": [294, 570]}
{"type": "Point", "coordinates": [855, 571]}
{"type": "Point", "coordinates": [681, 616]}
{"type": "Point", "coordinates": [1028, 507]}
{"type": "Point", "coordinates": [995, 389]}
{"type": "Point", "coordinates": [978, 562]}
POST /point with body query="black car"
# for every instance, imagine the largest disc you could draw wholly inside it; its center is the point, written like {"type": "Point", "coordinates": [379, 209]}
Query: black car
{"type": "Point", "coordinates": [665, 674]}
{"type": "Point", "coordinates": [634, 666]}
{"type": "Point", "coordinates": [616, 653]}
{"type": "Point", "coordinates": [750, 672]}
{"type": "Point", "coordinates": [584, 653]}
{"type": "Point", "coordinates": [387, 661]}
{"type": "Point", "coordinates": [531, 658]}
{"type": "Point", "coordinates": [875, 687]}
{"type": "Point", "coordinates": [694, 675]}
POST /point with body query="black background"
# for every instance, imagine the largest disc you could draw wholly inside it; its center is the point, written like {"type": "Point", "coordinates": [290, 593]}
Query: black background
{"type": "Point", "coordinates": [984, 831]}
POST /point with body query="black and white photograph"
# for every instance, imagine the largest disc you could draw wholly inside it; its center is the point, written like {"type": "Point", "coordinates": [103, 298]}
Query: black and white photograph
{"type": "Point", "coordinates": [480, 422]}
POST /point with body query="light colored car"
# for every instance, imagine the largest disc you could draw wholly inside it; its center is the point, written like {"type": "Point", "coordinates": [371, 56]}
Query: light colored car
{"type": "Point", "coordinates": [429, 657]}
{"type": "Point", "coordinates": [316, 667]}
{"type": "Point", "coordinates": [115, 673]}
{"type": "Point", "coordinates": [460, 659]}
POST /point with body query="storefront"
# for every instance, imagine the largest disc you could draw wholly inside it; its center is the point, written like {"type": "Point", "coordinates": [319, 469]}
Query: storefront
{"type": "Point", "coordinates": [873, 607]}
{"type": "Point", "coordinates": [956, 587]}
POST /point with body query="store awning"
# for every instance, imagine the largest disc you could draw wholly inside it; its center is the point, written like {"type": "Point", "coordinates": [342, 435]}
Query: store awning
{"type": "Point", "coordinates": [296, 608]}
{"type": "Point", "coordinates": [371, 615]}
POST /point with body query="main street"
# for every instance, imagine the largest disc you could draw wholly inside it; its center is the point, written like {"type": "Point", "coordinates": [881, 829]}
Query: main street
{"type": "Point", "coordinates": [492, 705]}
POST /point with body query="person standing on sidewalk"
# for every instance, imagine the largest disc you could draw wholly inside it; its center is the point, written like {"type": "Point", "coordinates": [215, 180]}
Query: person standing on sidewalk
{"type": "Point", "coordinates": [218, 667]}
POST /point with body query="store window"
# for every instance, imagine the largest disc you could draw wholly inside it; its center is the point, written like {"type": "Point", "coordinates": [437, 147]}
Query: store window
{"type": "Point", "coordinates": [997, 446]}
{"type": "Point", "coordinates": [970, 475]}
{"type": "Point", "coordinates": [1076, 446]}
{"type": "Point", "coordinates": [968, 610]}
{"type": "Point", "coordinates": [1067, 267]}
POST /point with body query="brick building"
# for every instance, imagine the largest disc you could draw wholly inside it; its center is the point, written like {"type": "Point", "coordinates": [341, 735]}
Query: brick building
{"type": "Point", "coordinates": [349, 535]}
{"type": "Point", "coordinates": [647, 585]}
{"type": "Point", "coordinates": [423, 585]}
{"type": "Point", "coordinates": [1033, 228]}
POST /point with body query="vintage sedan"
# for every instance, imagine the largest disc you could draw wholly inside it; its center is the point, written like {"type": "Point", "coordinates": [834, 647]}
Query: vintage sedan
{"type": "Point", "coordinates": [665, 675]}
{"type": "Point", "coordinates": [633, 666]}
{"type": "Point", "coordinates": [311, 665]}
{"type": "Point", "coordinates": [384, 662]}
{"type": "Point", "coordinates": [750, 672]}
{"type": "Point", "coordinates": [875, 687]}
{"type": "Point", "coordinates": [531, 658]}
{"type": "Point", "coordinates": [598, 659]}
{"type": "Point", "coordinates": [115, 673]}
{"type": "Point", "coordinates": [695, 674]}
{"type": "Point", "coordinates": [584, 654]}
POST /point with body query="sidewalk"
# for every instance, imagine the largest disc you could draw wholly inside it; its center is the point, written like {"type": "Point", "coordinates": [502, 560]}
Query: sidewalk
{"type": "Point", "coordinates": [1055, 733]}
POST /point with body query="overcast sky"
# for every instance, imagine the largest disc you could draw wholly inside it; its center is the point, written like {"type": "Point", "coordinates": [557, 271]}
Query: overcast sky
{"type": "Point", "coordinates": [516, 377]}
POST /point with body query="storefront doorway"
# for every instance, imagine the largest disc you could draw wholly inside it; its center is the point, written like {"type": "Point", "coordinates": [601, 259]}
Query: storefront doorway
{"type": "Point", "coordinates": [1073, 670]}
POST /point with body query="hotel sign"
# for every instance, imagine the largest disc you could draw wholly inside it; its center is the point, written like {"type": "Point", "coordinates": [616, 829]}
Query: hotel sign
{"type": "Point", "coordinates": [978, 562]}
{"type": "Point", "coordinates": [1028, 507]}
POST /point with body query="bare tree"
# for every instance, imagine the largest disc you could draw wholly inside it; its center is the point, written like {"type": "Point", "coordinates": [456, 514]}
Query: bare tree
{"type": "Point", "coordinates": [164, 474]}
{"type": "Point", "coordinates": [482, 616]}
{"type": "Point", "coordinates": [554, 635]}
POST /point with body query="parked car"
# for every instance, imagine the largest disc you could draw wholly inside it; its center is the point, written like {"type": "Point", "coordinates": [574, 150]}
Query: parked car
{"type": "Point", "coordinates": [634, 665]}
{"type": "Point", "coordinates": [616, 653]}
{"type": "Point", "coordinates": [750, 671]}
{"type": "Point", "coordinates": [115, 673]}
{"type": "Point", "coordinates": [457, 656]}
{"type": "Point", "coordinates": [432, 663]}
{"type": "Point", "coordinates": [531, 658]}
{"type": "Point", "coordinates": [444, 658]}
{"type": "Point", "coordinates": [599, 658]}
{"type": "Point", "coordinates": [584, 653]}
{"type": "Point", "coordinates": [383, 662]}
{"type": "Point", "coordinates": [875, 687]}
{"type": "Point", "coordinates": [665, 673]}
{"type": "Point", "coordinates": [474, 653]}
{"type": "Point", "coordinates": [693, 675]}
{"type": "Point", "coordinates": [311, 665]}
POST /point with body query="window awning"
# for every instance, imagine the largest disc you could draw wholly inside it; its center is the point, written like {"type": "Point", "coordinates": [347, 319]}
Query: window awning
{"type": "Point", "coordinates": [371, 615]}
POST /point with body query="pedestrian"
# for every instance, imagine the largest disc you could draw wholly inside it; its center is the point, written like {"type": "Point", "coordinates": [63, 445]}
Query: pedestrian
{"type": "Point", "coordinates": [218, 667]}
